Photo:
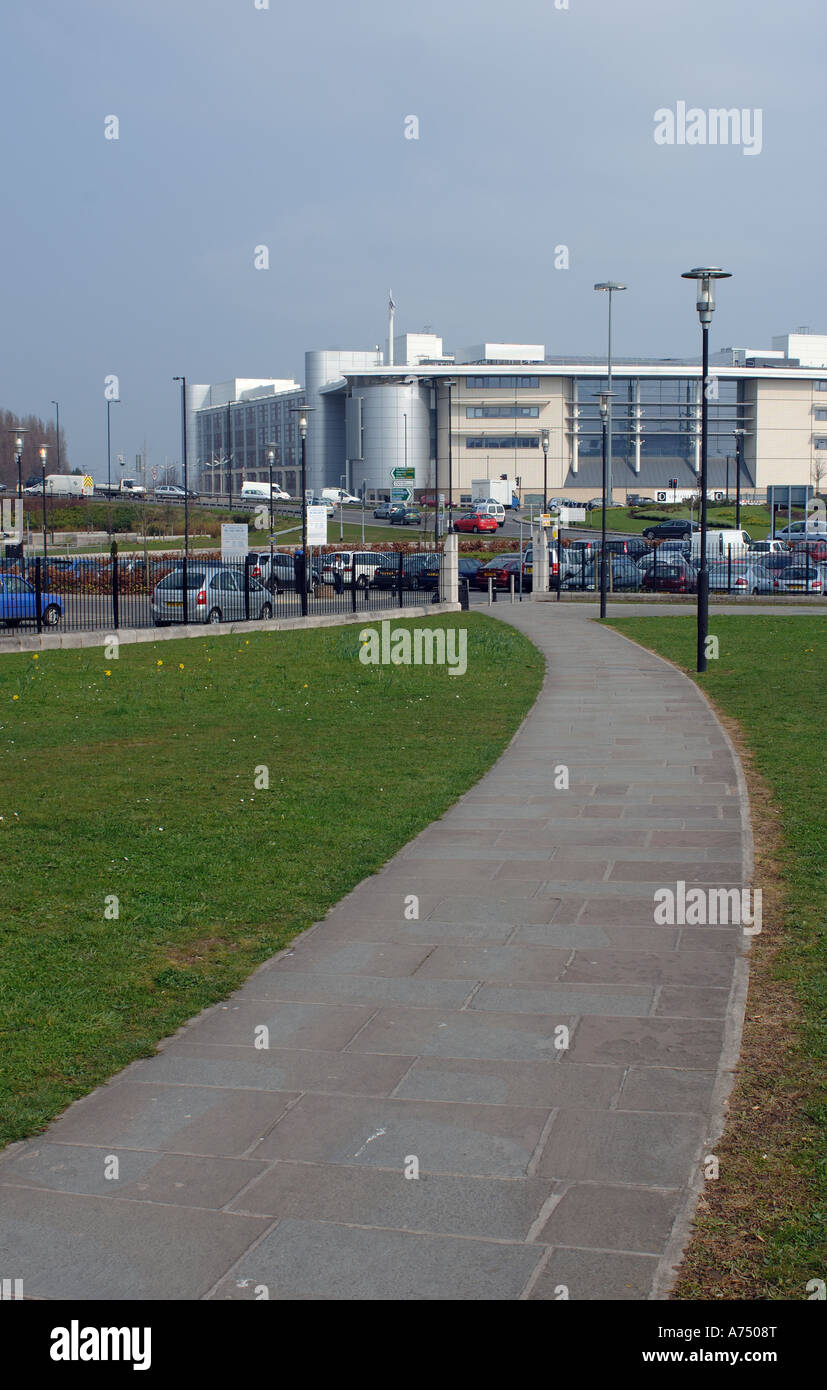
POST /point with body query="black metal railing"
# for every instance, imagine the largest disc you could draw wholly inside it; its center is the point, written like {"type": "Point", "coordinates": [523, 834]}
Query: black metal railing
{"type": "Point", "coordinates": [145, 589]}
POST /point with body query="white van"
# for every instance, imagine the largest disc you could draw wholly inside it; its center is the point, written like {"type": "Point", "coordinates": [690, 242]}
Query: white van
{"type": "Point", "coordinates": [492, 508]}
{"type": "Point", "coordinates": [260, 492]}
{"type": "Point", "coordinates": [718, 542]}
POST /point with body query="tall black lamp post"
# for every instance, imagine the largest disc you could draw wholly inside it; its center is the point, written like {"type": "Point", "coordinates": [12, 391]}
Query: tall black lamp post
{"type": "Point", "coordinates": [609, 287]}
{"type": "Point", "coordinates": [43, 451]}
{"type": "Point", "coordinates": [303, 411]}
{"type": "Point", "coordinates": [183, 381]}
{"type": "Point", "coordinates": [739, 442]}
{"type": "Point", "coordinates": [706, 277]}
{"type": "Point", "coordinates": [18, 458]}
{"type": "Point", "coordinates": [109, 403]}
{"type": "Point", "coordinates": [605, 402]}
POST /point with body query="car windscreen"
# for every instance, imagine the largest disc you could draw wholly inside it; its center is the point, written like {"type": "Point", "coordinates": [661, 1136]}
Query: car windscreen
{"type": "Point", "coordinates": [175, 580]}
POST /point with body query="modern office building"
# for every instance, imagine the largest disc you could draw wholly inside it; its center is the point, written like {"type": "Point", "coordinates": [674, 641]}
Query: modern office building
{"type": "Point", "coordinates": [485, 411]}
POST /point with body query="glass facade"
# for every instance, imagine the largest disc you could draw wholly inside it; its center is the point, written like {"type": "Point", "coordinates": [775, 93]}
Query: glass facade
{"type": "Point", "coordinates": [663, 413]}
{"type": "Point", "coordinates": [242, 432]}
{"type": "Point", "coordinates": [502, 441]}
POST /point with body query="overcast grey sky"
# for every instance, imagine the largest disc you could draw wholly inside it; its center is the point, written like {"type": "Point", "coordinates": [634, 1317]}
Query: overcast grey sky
{"type": "Point", "coordinates": [285, 127]}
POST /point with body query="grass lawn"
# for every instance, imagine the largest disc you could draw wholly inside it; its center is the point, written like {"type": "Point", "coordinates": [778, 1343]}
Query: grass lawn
{"type": "Point", "coordinates": [761, 1228]}
{"type": "Point", "coordinates": [755, 520]}
{"type": "Point", "coordinates": [135, 778]}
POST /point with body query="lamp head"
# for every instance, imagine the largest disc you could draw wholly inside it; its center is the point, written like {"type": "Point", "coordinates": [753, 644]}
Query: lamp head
{"type": "Point", "coordinates": [706, 277]}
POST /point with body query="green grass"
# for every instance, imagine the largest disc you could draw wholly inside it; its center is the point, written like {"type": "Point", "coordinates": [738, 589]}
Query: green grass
{"type": "Point", "coordinates": [135, 777]}
{"type": "Point", "coordinates": [755, 520]}
{"type": "Point", "coordinates": [769, 676]}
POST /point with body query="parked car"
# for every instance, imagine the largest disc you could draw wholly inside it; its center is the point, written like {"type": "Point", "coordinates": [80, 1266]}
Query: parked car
{"type": "Point", "coordinates": [762, 548]}
{"type": "Point", "coordinates": [475, 522]}
{"type": "Point", "coordinates": [672, 576]}
{"type": "Point", "coordinates": [777, 560]}
{"type": "Point", "coordinates": [467, 566]}
{"type": "Point", "coordinates": [798, 579]}
{"type": "Point", "coordinates": [528, 566]}
{"type": "Point", "coordinates": [215, 594]}
{"type": "Point", "coordinates": [491, 508]}
{"type": "Point", "coordinates": [637, 499]}
{"type": "Point", "coordinates": [500, 569]}
{"type": "Point", "coordinates": [419, 571]}
{"type": "Point", "coordinates": [18, 603]}
{"type": "Point", "coordinates": [405, 516]}
{"type": "Point", "coordinates": [739, 577]}
{"type": "Point", "coordinates": [799, 530]}
{"type": "Point", "coordinates": [634, 546]}
{"type": "Point", "coordinates": [281, 574]}
{"type": "Point", "coordinates": [343, 562]}
{"type": "Point", "coordinates": [670, 530]}
{"type": "Point", "coordinates": [815, 548]}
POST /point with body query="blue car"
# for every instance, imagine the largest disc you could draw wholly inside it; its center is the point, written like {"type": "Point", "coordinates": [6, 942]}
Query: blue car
{"type": "Point", "coordinates": [18, 602]}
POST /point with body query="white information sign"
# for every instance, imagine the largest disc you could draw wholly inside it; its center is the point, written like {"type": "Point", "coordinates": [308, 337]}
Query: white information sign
{"type": "Point", "coordinates": [317, 525]}
{"type": "Point", "coordinates": [234, 540]}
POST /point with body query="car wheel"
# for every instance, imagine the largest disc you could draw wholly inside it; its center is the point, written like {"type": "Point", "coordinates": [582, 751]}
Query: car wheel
{"type": "Point", "coordinates": [266, 611]}
{"type": "Point", "coordinates": [476, 530]}
{"type": "Point", "coordinates": [52, 615]}
{"type": "Point", "coordinates": [362, 582]}
{"type": "Point", "coordinates": [414, 583]}
{"type": "Point", "coordinates": [214, 615]}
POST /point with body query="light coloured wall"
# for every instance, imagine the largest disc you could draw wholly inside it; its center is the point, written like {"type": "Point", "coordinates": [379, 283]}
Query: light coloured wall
{"type": "Point", "coordinates": [785, 424]}
{"type": "Point", "coordinates": [527, 464]}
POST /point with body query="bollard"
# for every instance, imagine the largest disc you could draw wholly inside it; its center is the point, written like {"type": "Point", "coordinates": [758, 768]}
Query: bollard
{"type": "Point", "coordinates": [511, 586]}
{"type": "Point", "coordinates": [490, 590]}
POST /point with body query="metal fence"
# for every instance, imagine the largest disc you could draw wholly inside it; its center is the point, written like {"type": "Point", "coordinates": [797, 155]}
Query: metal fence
{"type": "Point", "coordinates": [87, 593]}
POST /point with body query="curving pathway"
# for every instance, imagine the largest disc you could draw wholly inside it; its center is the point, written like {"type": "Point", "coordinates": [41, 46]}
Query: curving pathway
{"type": "Point", "coordinates": [419, 1028]}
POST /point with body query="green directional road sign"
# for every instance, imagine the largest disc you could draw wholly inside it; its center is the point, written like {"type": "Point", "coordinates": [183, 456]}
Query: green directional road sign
{"type": "Point", "coordinates": [401, 494]}
{"type": "Point", "coordinates": [403, 475]}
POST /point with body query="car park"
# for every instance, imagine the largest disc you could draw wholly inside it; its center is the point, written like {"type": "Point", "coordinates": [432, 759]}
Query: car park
{"type": "Point", "coordinates": [215, 594]}
{"type": "Point", "coordinates": [18, 603]}
{"type": "Point", "coordinates": [475, 522]}
{"type": "Point", "coordinates": [405, 516]}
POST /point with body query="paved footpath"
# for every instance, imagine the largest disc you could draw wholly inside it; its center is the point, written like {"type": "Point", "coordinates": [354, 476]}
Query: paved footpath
{"type": "Point", "coordinates": [400, 1042]}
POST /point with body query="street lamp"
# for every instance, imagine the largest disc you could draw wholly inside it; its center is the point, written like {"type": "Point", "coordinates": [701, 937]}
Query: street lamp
{"type": "Point", "coordinates": [43, 450]}
{"type": "Point", "coordinates": [18, 458]}
{"type": "Point", "coordinates": [544, 439]}
{"type": "Point", "coordinates": [183, 381]}
{"type": "Point", "coordinates": [450, 383]}
{"type": "Point", "coordinates": [271, 458]}
{"type": "Point", "coordinates": [109, 463]}
{"type": "Point", "coordinates": [303, 411]}
{"type": "Point", "coordinates": [739, 441]}
{"type": "Point", "coordinates": [706, 277]}
{"type": "Point", "coordinates": [609, 286]}
{"type": "Point", "coordinates": [605, 415]}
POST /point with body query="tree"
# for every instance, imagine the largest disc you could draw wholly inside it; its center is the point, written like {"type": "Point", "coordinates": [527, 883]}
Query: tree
{"type": "Point", "coordinates": [39, 432]}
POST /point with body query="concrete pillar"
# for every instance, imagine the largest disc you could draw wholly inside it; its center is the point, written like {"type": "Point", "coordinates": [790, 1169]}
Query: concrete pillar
{"type": "Point", "coordinates": [450, 568]}
{"type": "Point", "coordinates": [539, 561]}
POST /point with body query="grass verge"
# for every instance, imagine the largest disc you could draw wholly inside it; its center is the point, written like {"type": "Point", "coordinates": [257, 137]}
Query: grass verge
{"type": "Point", "coordinates": [760, 1229]}
{"type": "Point", "coordinates": [135, 779]}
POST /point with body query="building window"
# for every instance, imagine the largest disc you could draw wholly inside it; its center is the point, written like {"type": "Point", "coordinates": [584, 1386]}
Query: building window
{"type": "Point", "coordinates": [502, 441]}
{"type": "Point", "coordinates": [820, 414]}
{"type": "Point", "coordinates": [502, 412]}
{"type": "Point", "coordinates": [820, 385]}
{"type": "Point", "coordinates": [502, 383]}
{"type": "Point", "coordinates": [820, 442]}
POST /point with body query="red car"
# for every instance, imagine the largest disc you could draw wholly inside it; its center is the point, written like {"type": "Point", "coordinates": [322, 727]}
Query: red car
{"type": "Point", "coordinates": [816, 549]}
{"type": "Point", "coordinates": [500, 570]}
{"type": "Point", "coordinates": [475, 521]}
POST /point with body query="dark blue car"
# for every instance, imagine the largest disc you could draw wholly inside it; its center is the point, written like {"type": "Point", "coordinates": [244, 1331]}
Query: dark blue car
{"type": "Point", "coordinates": [18, 602]}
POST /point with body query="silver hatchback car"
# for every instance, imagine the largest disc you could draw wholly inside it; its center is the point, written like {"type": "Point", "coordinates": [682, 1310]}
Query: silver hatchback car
{"type": "Point", "coordinates": [215, 594]}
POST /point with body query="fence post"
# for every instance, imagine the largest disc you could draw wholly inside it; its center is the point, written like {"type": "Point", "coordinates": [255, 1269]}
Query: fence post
{"type": "Point", "coordinates": [186, 592]}
{"type": "Point", "coordinates": [247, 587]}
{"type": "Point", "coordinates": [729, 569]}
{"type": "Point", "coordinates": [38, 594]}
{"type": "Point", "coordinates": [353, 581]}
{"type": "Point", "coordinates": [399, 578]}
{"type": "Point", "coordinates": [116, 606]}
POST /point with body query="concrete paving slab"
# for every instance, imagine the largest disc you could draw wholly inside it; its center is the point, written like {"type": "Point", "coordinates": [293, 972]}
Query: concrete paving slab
{"type": "Point", "coordinates": [272, 1069]}
{"type": "Point", "coordinates": [613, 1217]}
{"type": "Point", "coordinates": [532, 1084]}
{"type": "Point", "coordinates": [436, 1033]}
{"type": "Point", "coordinates": [635, 1147]}
{"type": "Point", "coordinates": [579, 1275]}
{"type": "Point", "coordinates": [315, 1260]}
